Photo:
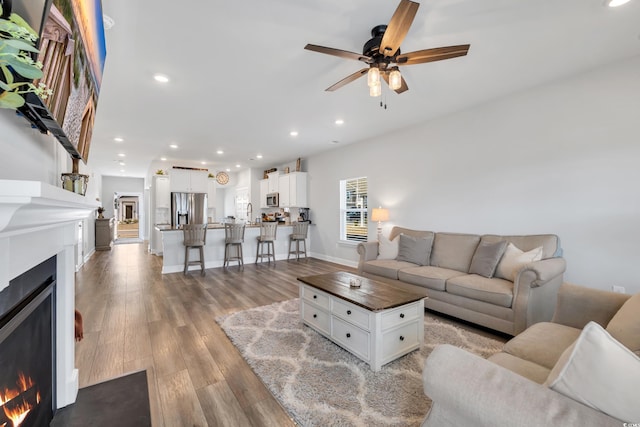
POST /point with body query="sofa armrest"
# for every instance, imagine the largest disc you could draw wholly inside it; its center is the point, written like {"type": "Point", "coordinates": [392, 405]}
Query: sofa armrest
{"type": "Point", "coordinates": [578, 305]}
{"type": "Point", "coordinates": [535, 291]}
{"type": "Point", "coordinates": [368, 251]}
{"type": "Point", "coordinates": [468, 390]}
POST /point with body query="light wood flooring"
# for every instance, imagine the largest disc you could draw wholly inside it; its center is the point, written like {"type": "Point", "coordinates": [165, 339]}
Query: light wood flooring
{"type": "Point", "coordinates": [136, 318]}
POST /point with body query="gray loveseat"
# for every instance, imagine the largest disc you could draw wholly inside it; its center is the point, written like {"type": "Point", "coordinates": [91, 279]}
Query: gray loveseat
{"type": "Point", "coordinates": [508, 304]}
{"type": "Point", "coordinates": [516, 387]}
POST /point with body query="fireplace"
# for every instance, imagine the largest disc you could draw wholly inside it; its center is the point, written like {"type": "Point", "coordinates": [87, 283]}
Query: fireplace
{"type": "Point", "coordinates": [27, 334]}
{"type": "Point", "coordinates": [38, 233]}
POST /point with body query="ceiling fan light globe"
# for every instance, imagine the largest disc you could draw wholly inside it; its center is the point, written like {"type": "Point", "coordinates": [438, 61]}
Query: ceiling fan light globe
{"type": "Point", "coordinates": [373, 77]}
{"type": "Point", "coordinates": [395, 80]}
{"type": "Point", "coordinates": [375, 90]}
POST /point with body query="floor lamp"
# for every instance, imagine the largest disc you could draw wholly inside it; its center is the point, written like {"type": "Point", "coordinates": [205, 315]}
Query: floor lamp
{"type": "Point", "coordinates": [379, 214]}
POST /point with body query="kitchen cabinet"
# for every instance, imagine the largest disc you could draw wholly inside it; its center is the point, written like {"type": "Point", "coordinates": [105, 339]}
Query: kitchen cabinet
{"type": "Point", "coordinates": [162, 191]}
{"type": "Point", "coordinates": [293, 190]}
{"type": "Point", "coordinates": [273, 182]}
{"type": "Point", "coordinates": [188, 181]}
{"type": "Point", "coordinates": [264, 190]}
{"type": "Point", "coordinates": [211, 193]}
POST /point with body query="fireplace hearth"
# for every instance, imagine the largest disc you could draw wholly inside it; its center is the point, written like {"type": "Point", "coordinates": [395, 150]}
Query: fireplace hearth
{"type": "Point", "coordinates": [27, 357]}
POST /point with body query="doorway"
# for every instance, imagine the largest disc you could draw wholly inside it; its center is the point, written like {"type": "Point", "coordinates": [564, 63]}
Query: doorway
{"type": "Point", "coordinates": [127, 209]}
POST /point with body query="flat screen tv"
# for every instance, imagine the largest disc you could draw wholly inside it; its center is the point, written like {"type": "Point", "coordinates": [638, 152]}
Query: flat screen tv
{"type": "Point", "coordinates": [72, 51]}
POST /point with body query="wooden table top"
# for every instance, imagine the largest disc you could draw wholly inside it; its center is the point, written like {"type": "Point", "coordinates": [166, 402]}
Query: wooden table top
{"type": "Point", "coordinates": [372, 294]}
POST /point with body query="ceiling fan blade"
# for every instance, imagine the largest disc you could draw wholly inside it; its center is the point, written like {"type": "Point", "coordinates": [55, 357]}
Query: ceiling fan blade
{"type": "Point", "coordinates": [402, 88]}
{"type": "Point", "coordinates": [348, 80]}
{"type": "Point", "coordinates": [398, 27]}
{"type": "Point", "coordinates": [339, 53]}
{"type": "Point", "coordinates": [430, 55]}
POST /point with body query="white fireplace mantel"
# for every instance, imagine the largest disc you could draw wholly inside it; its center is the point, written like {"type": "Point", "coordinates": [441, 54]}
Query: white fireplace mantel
{"type": "Point", "coordinates": [38, 221]}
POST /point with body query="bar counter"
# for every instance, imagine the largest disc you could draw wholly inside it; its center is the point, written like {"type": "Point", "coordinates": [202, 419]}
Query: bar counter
{"type": "Point", "coordinates": [173, 247]}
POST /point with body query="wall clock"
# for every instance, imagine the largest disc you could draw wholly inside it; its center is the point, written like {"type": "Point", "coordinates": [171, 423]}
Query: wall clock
{"type": "Point", "coordinates": [222, 178]}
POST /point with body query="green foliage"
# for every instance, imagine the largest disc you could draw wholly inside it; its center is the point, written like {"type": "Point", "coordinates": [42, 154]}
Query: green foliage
{"type": "Point", "coordinates": [17, 41]}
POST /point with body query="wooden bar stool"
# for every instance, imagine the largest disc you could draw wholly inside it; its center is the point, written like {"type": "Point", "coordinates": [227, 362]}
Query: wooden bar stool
{"type": "Point", "coordinates": [195, 236]}
{"type": "Point", "coordinates": [267, 236]}
{"type": "Point", "coordinates": [233, 239]}
{"type": "Point", "coordinates": [298, 234]}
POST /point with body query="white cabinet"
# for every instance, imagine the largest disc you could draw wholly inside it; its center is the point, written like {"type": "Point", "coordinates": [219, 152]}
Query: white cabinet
{"type": "Point", "coordinates": [293, 190]}
{"type": "Point", "coordinates": [162, 189]}
{"type": "Point", "coordinates": [283, 186]}
{"type": "Point", "coordinates": [188, 181]}
{"type": "Point", "coordinates": [273, 182]}
{"type": "Point", "coordinates": [264, 190]}
{"type": "Point", "coordinates": [211, 193]}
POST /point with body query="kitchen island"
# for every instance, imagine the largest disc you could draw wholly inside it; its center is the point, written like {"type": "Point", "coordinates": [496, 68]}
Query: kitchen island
{"type": "Point", "coordinates": [173, 248]}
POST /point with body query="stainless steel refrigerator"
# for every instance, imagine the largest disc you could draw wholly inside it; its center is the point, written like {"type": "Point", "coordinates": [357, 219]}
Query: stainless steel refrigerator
{"type": "Point", "coordinates": [188, 208]}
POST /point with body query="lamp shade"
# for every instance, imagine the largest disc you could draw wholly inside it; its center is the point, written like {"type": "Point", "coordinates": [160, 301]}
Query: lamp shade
{"type": "Point", "coordinates": [379, 214]}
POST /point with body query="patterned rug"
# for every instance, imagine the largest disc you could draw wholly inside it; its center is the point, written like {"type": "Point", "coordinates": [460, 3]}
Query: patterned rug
{"type": "Point", "coordinates": [320, 384]}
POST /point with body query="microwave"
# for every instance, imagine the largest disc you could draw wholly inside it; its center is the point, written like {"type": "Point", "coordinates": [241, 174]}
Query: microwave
{"type": "Point", "coordinates": [273, 200]}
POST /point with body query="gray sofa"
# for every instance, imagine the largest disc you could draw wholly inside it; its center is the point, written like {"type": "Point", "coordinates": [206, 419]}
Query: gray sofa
{"type": "Point", "coordinates": [508, 305]}
{"type": "Point", "coordinates": [516, 387]}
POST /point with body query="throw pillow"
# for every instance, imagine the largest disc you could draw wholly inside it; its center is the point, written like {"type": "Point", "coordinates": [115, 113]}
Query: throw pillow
{"type": "Point", "coordinates": [388, 249]}
{"type": "Point", "coordinates": [514, 258]}
{"type": "Point", "coordinates": [599, 372]}
{"type": "Point", "coordinates": [416, 250]}
{"type": "Point", "coordinates": [624, 325]}
{"type": "Point", "coordinates": [486, 258]}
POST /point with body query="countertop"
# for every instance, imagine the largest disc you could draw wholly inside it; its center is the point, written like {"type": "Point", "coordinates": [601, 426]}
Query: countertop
{"type": "Point", "coordinates": [213, 226]}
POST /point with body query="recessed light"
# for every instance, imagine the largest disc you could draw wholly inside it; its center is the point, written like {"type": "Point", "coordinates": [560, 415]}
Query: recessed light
{"type": "Point", "coordinates": [120, 154]}
{"type": "Point", "coordinates": [293, 133]}
{"type": "Point", "coordinates": [118, 139]}
{"type": "Point", "coordinates": [259, 156]}
{"type": "Point", "coordinates": [220, 152]}
{"type": "Point", "coordinates": [161, 78]}
{"type": "Point", "coordinates": [339, 122]}
{"type": "Point", "coordinates": [122, 163]}
{"type": "Point", "coordinates": [615, 3]}
{"type": "Point", "coordinates": [203, 163]}
{"type": "Point", "coordinates": [173, 146]}
{"type": "Point", "coordinates": [122, 170]}
{"type": "Point", "coordinates": [228, 170]}
{"type": "Point", "coordinates": [164, 159]}
{"type": "Point", "coordinates": [237, 166]}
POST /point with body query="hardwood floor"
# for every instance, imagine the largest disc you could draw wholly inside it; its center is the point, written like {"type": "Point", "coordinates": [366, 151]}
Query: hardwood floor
{"type": "Point", "coordinates": [136, 318]}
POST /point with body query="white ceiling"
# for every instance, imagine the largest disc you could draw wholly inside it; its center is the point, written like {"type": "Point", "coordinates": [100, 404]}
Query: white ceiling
{"type": "Point", "coordinates": [241, 80]}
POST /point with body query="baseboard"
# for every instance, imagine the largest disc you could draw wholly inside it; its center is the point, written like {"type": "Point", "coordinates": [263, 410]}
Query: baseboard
{"type": "Point", "coordinates": [334, 260]}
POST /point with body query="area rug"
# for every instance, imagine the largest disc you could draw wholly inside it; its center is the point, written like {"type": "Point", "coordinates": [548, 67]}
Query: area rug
{"type": "Point", "coordinates": [320, 384]}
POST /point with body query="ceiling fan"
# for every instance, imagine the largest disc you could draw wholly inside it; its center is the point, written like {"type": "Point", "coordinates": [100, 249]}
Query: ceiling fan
{"type": "Point", "coordinates": [382, 53]}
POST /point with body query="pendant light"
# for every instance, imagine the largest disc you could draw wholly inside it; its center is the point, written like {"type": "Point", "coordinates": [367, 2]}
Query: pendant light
{"type": "Point", "coordinates": [395, 79]}
{"type": "Point", "coordinates": [373, 77]}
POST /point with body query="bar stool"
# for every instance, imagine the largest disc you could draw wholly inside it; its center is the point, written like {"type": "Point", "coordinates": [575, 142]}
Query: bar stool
{"type": "Point", "coordinates": [233, 238]}
{"type": "Point", "coordinates": [298, 234]}
{"type": "Point", "coordinates": [267, 236]}
{"type": "Point", "coordinates": [195, 236]}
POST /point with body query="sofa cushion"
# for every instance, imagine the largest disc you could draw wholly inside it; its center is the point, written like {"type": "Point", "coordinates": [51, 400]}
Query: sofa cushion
{"type": "Point", "coordinates": [494, 291]}
{"type": "Point", "coordinates": [542, 343]}
{"type": "Point", "coordinates": [514, 259]}
{"type": "Point", "coordinates": [624, 326]}
{"type": "Point", "coordinates": [600, 372]}
{"type": "Point", "coordinates": [486, 258]}
{"type": "Point", "coordinates": [454, 251]}
{"type": "Point", "coordinates": [550, 243]}
{"type": "Point", "coordinates": [530, 370]}
{"type": "Point", "coordinates": [387, 249]}
{"type": "Point", "coordinates": [427, 276]}
{"type": "Point", "coordinates": [386, 267]}
{"type": "Point", "coordinates": [416, 250]}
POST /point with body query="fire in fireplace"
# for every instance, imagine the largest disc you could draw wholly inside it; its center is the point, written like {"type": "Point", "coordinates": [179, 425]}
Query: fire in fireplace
{"type": "Point", "coordinates": [27, 328]}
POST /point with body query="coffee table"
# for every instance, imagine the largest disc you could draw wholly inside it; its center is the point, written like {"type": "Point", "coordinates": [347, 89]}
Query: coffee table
{"type": "Point", "coordinates": [376, 322]}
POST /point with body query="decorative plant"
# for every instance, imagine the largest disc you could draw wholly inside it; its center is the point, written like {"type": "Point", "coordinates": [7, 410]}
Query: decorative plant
{"type": "Point", "coordinates": [17, 42]}
{"type": "Point", "coordinates": [159, 172]}
{"type": "Point", "coordinates": [211, 175]}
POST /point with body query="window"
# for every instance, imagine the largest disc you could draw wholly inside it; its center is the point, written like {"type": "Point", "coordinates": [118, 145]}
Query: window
{"type": "Point", "coordinates": [353, 210]}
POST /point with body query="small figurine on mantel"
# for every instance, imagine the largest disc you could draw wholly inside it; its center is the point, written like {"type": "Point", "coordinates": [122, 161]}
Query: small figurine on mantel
{"type": "Point", "coordinates": [100, 212]}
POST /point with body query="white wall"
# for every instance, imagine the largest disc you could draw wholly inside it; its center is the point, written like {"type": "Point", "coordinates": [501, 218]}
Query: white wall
{"type": "Point", "coordinates": [561, 158]}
